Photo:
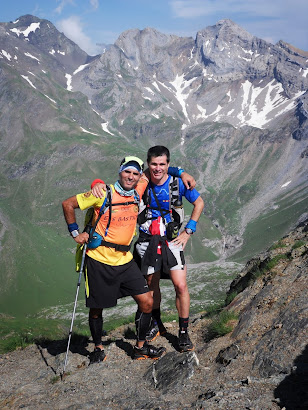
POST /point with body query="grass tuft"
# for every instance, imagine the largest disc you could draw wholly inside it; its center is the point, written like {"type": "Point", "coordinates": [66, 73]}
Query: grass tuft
{"type": "Point", "coordinates": [278, 245]}
{"type": "Point", "coordinates": [230, 297]}
{"type": "Point", "coordinates": [17, 341]}
{"type": "Point", "coordinates": [55, 379]}
{"type": "Point", "coordinates": [213, 310]}
{"type": "Point", "coordinates": [298, 244]}
{"type": "Point", "coordinates": [273, 262]}
{"type": "Point", "coordinates": [222, 324]}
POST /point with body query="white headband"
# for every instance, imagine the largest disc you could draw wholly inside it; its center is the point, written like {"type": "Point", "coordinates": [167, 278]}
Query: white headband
{"type": "Point", "coordinates": [131, 164]}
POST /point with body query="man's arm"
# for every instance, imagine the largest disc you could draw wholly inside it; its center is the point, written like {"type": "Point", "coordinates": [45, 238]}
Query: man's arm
{"type": "Point", "coordinates": [98, 185]}
{"type": "Point", "coordinates": [69, 206]}
{"type": "Point", "coordinates": [188, 180]}
{"type": "Point", "coordinates": [98, 188]}
{"type": "Point", "coordinates": [195, 215]}
{"type": "Point", "coordinates": [198, 208]}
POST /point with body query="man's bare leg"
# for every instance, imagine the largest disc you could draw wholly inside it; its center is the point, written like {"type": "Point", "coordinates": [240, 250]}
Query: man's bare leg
{"type": "Point", "coordinates": [182, 302]}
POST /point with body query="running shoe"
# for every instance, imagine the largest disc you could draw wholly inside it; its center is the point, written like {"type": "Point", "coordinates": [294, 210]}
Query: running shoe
{"type": "Point", "coordinates": [148, 352]}
{"type": "Point", "coordinates": [154, 332]}
{"type": "Point", "coordinates": [97, 356]}
{"type": "Point", "coordinates": [185, 344]}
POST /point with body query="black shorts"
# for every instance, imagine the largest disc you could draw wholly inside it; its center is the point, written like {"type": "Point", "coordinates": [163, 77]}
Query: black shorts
{"type": "Point", "coordinates": [106, 284]}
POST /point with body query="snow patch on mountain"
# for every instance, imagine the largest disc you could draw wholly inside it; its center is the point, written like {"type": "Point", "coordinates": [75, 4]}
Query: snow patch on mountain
{"type": "Point", "coordinates": [105, 128]}
{"type": "Point", "coordinates": [6, 55]}
{"type": "Point", "coordinates": [30, 29]}
{"type": "Point", "coordinates": [88, 132]}
{"type": "Point", "coordinates": [53, 101]}
{"type": "Point", "coordinates": [31, 56]}
{"type": "Point", "coordinates": [69, 82]}
{"type": "Point", "coordinates": [80, 68]}
{"type": "Point", "coordinates": [286, 184]}
{"type": "Point", "coordinates": [29, 81]}
{"type": "Point", "coordinates": [181, 93]}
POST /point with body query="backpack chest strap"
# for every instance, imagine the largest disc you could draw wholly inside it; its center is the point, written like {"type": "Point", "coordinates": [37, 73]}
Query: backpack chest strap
{"type": "Point", "coordinates": [121, 248]}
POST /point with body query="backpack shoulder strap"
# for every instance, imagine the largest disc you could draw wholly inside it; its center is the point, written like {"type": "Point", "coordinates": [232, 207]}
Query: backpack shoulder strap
{"type": "Point", "coordinates": [174, 190]}
{"type": "Point", "coordinates": [108, 204]}
{"type": "Point", "coordinates": [176, 206]}
{"type": "Point", "coordinates": [90, 213]}
{"type": "Point", "coordinates": [137, 198]}
{"type": "Point", "coordinates": [88, 220]}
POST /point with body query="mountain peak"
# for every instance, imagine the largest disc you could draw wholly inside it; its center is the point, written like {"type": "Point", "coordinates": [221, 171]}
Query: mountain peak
{"type": "Point", "coordinates": [44, 36]}
{"type": "Point", "coordinates": [226, 30]}
{"type": "Point", "coordinates": [147, 34]}
{"type": "Point", "coordinates": [226, 22]}
{"type": "Point", "coordinates": [26, 19]}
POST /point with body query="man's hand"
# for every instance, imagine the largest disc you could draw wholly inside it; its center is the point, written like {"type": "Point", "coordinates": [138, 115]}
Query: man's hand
{"type": "Point", "coordinates": [181, 240]}
{"type": "Point", "coordinates": [82, 238]}
{"type": "Point", "coordinates": [188, 180]}
{"type": "Point", "coordinates": [98, 189]}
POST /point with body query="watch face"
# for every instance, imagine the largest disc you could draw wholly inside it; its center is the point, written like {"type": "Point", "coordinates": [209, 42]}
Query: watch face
{"type": "Point", "coordinates": [74, 233]}
{"type": "Point", "coordinates": [189, 231]}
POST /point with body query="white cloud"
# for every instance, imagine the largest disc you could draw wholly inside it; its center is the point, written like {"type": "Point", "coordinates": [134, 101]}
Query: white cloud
{"type": "Point", "coordinates": [261, 8]}
{"type": "Point", "coordinates": [269, 20]}
{"type": "Point", "coordinates": [94, 4]}
{"type": "Point", "coordinates": [191, 9]}
{"type": "Point", "coordinates": [72, 27]}
{"type": "Point", "coordinates": [62, 4]}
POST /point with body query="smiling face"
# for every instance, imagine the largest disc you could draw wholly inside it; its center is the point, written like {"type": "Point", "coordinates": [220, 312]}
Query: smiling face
{"type": "Point", "coordinates": [129, 178]}
{"type": "Point", "coordinates": [158, 167]}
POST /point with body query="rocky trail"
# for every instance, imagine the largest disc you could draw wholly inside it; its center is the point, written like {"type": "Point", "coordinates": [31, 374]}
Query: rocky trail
{"type": "Point", "coordinates": [261, 364]}
{"type": "Point", "coordinates": [30, 377]}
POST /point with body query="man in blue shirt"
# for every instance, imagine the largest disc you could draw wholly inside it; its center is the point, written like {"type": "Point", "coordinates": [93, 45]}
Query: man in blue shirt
{"type": "Point", "coordinates": [160, 246]}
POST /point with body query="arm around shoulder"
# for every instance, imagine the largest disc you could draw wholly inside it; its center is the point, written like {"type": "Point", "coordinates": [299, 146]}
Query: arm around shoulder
{"type": "Point", "coordinates": [188, 180]}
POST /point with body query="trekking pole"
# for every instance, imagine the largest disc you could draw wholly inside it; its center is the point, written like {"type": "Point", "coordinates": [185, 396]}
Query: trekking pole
{"type": "Point", "coordinates": [75, 304]}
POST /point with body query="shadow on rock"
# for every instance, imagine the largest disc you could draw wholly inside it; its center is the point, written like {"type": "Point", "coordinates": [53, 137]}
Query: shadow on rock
{"type": "Point", "coordinates": [127, 347]}
{"type": "Point", "coordinates": [292, 392]}
{"type": "Point", "coordinates": [173, 340]}
{"type": "Point", "coordinates": [57, 349]}
{"type": "Point", "coordinates": [78, 345]}
{"type": "Point", "coordinates": [130, 334]}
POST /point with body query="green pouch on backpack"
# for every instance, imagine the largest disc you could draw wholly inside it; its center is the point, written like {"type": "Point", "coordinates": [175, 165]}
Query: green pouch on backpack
{"type": "Point", "coordinates": [78, 256]}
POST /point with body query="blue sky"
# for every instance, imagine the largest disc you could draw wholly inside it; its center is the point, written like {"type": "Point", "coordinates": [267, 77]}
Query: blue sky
{"type": "Point", "coordinates": [92, 22]}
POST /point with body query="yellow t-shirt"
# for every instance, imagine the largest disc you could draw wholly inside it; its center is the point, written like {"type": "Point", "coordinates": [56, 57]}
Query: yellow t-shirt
{"type": "Point", "coordinates": [122, 226]}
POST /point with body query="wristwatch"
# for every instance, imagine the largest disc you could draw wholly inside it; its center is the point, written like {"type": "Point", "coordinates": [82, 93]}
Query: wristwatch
{"type": "Point", "coordinates": [189, 231]}
{"type": "Point", "coordinates": [75, 233]}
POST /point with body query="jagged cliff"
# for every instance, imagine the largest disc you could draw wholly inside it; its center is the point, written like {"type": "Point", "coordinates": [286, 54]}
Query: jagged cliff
{"type": "Point", "coordinates": [260, 364]}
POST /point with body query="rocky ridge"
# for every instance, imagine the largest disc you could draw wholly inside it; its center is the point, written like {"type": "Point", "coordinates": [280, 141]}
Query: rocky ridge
{"type": "Point", "coordinates": [261, 364]}
{"type": "Point", "coordinates": [224, 71]}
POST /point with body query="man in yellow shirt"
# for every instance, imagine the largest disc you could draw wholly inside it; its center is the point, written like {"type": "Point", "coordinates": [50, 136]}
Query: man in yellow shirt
{"type": "Point", "coordinates": [111, 272]}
